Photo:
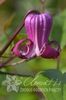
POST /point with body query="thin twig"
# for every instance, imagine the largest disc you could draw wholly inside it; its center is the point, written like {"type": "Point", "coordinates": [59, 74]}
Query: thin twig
{"type": "Point", "coordinates": [42, 5]}
{"type": "Point", "coordinates": [21, 61]}
{"type": "Point", "coordinates": [6, 56]}
{"type": "Point", "coordinates": [6, 62]}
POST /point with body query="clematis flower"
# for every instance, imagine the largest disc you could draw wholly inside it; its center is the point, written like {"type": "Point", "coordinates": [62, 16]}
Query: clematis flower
{"type": "Point", "coordinates": [38, 27]}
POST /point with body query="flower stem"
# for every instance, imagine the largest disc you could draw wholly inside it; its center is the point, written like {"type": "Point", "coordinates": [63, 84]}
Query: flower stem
{"type": "Point", "coordinates": [58, 63]}
{"type": "Point", "coordinates": [6, 62]}
{"type": "Point", "coordinates": [42, 5]}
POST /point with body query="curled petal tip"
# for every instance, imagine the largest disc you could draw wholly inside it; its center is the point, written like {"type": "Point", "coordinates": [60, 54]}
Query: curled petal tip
{"type": "Point", "coordinates": [24, 49]}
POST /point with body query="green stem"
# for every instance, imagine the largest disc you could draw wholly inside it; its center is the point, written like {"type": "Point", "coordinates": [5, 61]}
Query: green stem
{"type": "Point", "coordinates": [58, 63]}
{"type": "Point", "coordinates": [3, 64]}
{"type": "Point", "coordinates": [62, 90]}
{"type": "Point", "coordinates": [42, 5]}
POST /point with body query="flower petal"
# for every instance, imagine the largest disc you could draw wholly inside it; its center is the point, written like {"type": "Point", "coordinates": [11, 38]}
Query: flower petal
{"type": "Point", "coordinates": [51, 52]}
{"type": "Point", "coordinates": [38, 28]}
{"type": "Point", "coordinates": [24, 49]}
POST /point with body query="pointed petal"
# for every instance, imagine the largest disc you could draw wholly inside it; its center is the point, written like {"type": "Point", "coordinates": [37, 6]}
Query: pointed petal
{"type": "Point", "coordinates": [50, 52]}
{"type": "Point", "coordinates": [24, 49]}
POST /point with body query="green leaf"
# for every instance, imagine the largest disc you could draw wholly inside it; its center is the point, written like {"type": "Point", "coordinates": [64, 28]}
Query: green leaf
{"type": "Point", "coordinates": [64, 92]}
{"type": "Point", "coordinates": [53, 74]}
{"type": "Point", "coordinates": [52, 83]}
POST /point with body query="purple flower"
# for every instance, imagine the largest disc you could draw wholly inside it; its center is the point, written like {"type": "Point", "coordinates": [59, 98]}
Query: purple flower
{"type": "Point", "coordinates": [38, 27]}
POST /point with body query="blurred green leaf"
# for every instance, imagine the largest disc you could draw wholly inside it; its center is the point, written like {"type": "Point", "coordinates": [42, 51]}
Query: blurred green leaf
{"type": "Point", "coordinates": [51, 83]}
{"type": "Point", "coordinates": [27, 96]}
{"type": "Point", "coordinates": [52, 6]}
{"type": "Point", "coordinates": [55, 5]}
{"type": "Point", "coordinates": [59, 28]}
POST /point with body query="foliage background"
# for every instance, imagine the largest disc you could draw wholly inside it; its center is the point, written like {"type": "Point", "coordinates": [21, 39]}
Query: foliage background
{"type": "Point", "coordinates": [11, 14]}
